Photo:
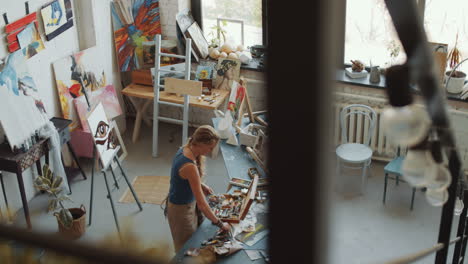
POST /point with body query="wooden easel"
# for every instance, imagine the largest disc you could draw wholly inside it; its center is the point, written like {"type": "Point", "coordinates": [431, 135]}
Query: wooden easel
{"type": "Point", "coordinates": [245, 102]}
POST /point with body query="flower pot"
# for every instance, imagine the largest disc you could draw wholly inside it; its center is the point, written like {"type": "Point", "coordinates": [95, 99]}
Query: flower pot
{"type": "Point", "coordinates": [455, 84]}
{"type": "Point", "coordinates": [78, 227]}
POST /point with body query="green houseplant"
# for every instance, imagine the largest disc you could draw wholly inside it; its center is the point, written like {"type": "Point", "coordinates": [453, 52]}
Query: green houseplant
{"type": "Point", "coordinates": [71, 221]}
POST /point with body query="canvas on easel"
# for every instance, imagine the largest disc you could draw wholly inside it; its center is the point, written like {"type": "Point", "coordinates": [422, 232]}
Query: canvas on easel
{"type": "Point", "coordinates": [104, 135]}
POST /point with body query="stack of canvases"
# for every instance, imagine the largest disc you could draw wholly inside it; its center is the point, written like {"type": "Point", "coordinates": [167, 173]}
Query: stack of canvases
{"type": "Point", "coordinates": [81, 84]}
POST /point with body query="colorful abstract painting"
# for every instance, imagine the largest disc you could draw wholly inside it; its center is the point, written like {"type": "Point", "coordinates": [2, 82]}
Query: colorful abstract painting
{"type": "Point", "coordinates": [104, 135]}
{"type": "Point", "coordinates": [30, 41]}
{"type": "Point", "coordinates": [203, 72]}
{"type": "Point", "coordinates": [74, 75]}
{"type": "Point", "coordinates": [22, 111]}
{"type": "Point", "coordinates": [134, 22]}
{"type": "Point", "coordinates": [57, 17]}
{"type": "Point", "coordinates": [105, 95]}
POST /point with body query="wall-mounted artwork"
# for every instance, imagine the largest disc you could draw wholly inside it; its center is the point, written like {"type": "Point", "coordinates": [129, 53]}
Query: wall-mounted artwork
{"type": "Point", "coordinates": [74, 75]}
{"type": "Point", "coordinates": [22, 111]}
{"type": "Point", "coordinates": [30, 41]}
{"type": "Point", "coordinates": [199, 43]}
{"type": "Point", "coordinates": [104, 135]}
{"type": "Point", "coordinates": [134, 22]}
{"type": "Point", "coordinates": [227, 72]}
{"type": "Point", "coordinates": [105, 95]}
{"type": "Point", "coordinates": [13, 29]}
{"type": "Point", "coordinates": [57, 17]}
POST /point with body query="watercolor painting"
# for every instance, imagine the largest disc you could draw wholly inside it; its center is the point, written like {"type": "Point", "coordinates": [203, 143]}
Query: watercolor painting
{"type": "Point", "coordinates": [78, 75]}
{"type": "Point", "coordinates": [57, 17]}
{"type": "Point", "coordinates": [22, 112]}
{"type": "Point", "coordinates": [104, 135]}
{"type": "Point", "coordinates": [134, 22]}
{"type": "Point", "coordinates": [30, 41]}
{"type": "Point", "coordinates": [105, 95]}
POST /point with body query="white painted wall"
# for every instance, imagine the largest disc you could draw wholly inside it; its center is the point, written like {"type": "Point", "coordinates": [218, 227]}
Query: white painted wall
{"type": "Point", "coordinates": [85, 33]}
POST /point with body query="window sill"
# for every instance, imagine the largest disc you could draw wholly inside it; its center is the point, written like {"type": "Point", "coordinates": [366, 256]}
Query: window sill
{"type": "Point", "coordinates": [341, 77]}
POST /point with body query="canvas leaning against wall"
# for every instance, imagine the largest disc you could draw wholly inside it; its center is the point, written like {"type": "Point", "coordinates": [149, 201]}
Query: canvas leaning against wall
{"type": "Point", "coordinates": [22, 111]}
{"type": "Point", "coordinates": [57, 17]}
{"type": "Point", "coordinates": [82, 75]}
{"type": "Point", "coordinates": [134, 22]}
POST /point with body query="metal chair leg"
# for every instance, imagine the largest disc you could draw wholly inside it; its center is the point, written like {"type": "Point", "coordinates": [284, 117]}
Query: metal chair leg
{"type": "Point", "coordinates": [385, 188]}
{"type": "Point", "coordinates": [364, 179]}
{"type": "Point", "coordinates": [412, 199]}
{"type": "Point", "coordinates": [129, 184]}
{"type": "Point", "coordinates": [111, 202]}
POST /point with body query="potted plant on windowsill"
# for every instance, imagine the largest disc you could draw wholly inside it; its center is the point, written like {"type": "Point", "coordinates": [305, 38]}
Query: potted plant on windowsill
{"type": "Point", "coordinates": [71, 221]}
{"type": "Point", "coordinates": [454, 80]}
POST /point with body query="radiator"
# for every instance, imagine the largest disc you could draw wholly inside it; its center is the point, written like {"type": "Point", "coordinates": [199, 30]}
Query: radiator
{"type": "Point", "coordinates": [357, 131]}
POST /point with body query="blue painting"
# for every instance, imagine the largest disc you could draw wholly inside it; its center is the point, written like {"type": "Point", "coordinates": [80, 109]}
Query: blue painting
{"type": "Point", "coordinates": [57, 17]}
{"type": "Point", "coordinates": [22, 112]}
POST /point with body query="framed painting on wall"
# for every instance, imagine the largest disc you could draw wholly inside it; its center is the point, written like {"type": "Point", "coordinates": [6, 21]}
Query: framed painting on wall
{"type": "Point", "coordinates": [199, 42]}
{"type": "Point", "coordinates": [57, 17]}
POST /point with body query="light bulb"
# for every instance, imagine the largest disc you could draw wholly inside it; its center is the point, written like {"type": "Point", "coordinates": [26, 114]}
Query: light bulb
{"type": "Point", "coordinates": [458, 206]}
{"type": "Point", "coordinates": [439, 178]}
{"type": "Point", "coordinates": [407, 125]}
{"type": "Point", "coordinates": [417, 167]}
{"type": "Point", "coordinates": [437, 197]}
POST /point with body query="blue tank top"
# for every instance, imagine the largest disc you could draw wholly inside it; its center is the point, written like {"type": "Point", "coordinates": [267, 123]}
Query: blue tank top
{"type": "Point", "coordinates": [180, 191]}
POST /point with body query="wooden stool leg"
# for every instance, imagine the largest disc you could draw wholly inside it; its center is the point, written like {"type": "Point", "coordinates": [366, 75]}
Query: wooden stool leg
{"type": "Point", "coordinates": [19, 176]}
{"type": "Point", "coordinates": [4, 194]}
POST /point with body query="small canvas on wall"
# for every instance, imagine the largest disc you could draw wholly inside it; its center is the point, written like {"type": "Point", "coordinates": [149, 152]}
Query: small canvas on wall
{"type": "Point", "coordinates": [134, 22]}
{"type": "Point", "coordinates": [104, 135]}
{"type": "Point", "coordinates": [14, 29]}
{"type": "Point", "coordinates": [57, 17]}
{"type": "Point", "coordinates": [30, 41]}
{"type": "Point", "coordinates": [22, 111]}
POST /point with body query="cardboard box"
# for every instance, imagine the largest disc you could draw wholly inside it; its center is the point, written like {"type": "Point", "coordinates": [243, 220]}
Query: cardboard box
{"type": "Point", "coordinates": [246, 135]}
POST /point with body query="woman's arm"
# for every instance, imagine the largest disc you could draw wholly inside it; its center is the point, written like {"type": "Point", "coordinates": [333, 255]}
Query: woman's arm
{"type": "Point", "coordinates": [190, 172]}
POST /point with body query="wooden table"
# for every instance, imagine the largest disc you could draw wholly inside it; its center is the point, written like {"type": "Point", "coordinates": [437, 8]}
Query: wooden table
{"type": "Point", "coordinates": [142, 96]}
{"type": "Point", "coordinates": [17, 163]}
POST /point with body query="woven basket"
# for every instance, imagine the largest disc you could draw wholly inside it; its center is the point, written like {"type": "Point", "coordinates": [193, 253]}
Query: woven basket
{"type": "Point", "coordinates": [78, 227]}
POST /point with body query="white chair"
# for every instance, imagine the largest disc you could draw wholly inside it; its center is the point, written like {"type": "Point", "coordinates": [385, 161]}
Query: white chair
{"type": "Point", "coordinates": [358, 154]}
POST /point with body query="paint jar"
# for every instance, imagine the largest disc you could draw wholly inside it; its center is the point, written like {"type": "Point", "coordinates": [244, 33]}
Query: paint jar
{"type": "Point", "coordinates": [374, 76]}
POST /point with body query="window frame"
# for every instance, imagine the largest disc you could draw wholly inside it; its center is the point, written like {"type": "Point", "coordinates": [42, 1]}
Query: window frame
{"type": "Point", "coordinates": [197, 14]}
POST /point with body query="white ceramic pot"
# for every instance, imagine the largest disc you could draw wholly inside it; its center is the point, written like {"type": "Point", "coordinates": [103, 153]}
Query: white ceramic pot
{"type": "Point", "coordinates": [455, 84]}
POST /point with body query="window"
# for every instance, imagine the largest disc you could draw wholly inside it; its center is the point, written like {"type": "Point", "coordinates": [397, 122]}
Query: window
{"type": "Point", "coordinates": [443, 19]}
{"type": "Point", "coordinates": [236, 17]}
{"type": "Point", "coordinates": [370, 34]}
